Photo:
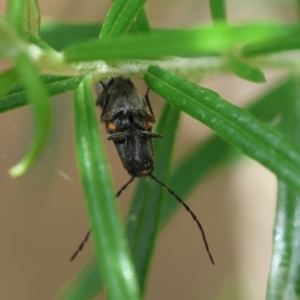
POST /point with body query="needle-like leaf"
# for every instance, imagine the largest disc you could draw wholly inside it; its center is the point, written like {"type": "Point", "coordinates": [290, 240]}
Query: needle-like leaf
{"type": "Point", "coordinates": [120, 16]}
{"type": "Point", "coordinates": [285, 264]}
{"type": "Point", "coordinates": [112, 251]}
{"type": "Point", "coordinates": [41, 111]}
{"type": "Point", "coordinates": [232, 123]}
{"type": "Point", "coordinates": [195, 42]}
{"type": "Point", "coordinates": [144, 216]}
{"type": "Point", "coordinates": [54, 85]}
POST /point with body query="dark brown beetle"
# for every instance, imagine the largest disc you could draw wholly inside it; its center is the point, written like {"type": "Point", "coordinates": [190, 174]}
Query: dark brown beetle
{"type": "Point", "coordinates": [129, 127]}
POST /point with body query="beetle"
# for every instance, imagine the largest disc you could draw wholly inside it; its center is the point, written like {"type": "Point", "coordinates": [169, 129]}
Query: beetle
{"type": "Point", "coordinates": [128, 124]}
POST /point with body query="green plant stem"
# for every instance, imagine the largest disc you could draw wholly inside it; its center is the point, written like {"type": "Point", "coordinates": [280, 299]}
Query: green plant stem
{"type": "Point", "coordinates": [16, 98]}
{"type": "Point", "coordinates": [284, 277]}
{"type": "Point", "coordinates": [141, 21]}
{"type": "Point", "coordinates": [15, 13]}
{"type": "Point", "coordinates": [203, 41]}
{"type": "Point", "coordinates": [218, 10]}
{"type": "Point", "coordinates": [244, 70]}
{"type": "Point", "coordinates": [194, 69]}
{"type": "Point", "coordinates": [91, 278]}
{"type": "Point", "coordinates": [120, 16]}
{"type": "Point", "coordinates": [112, 251]}
{"type": "Point", "coordinates": [41, 111]}
{"type": "Point", "coordinates": [8, 79]}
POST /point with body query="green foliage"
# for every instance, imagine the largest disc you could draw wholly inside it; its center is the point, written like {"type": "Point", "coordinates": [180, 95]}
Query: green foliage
{"type": "Point", "coordinates": [245, 71]}
{"type": "Point", "coordinates": [16, 97]}
{"type": "Point", "coordinates": [284, 274]}
{"type": "Point", "coordinates": [120, 17]}
{"type": "Point", "coordinates": [233, 124]}
{"type": "Point", "coordinates": [144, 216]}
{"type": "Point", "coordinates": [111, 248]}
{"type": "Point", "coordinates": [41, 111]}
{"type": "Point", "coordinates": [126, 45]}
{"type": "Point", "coordinates": [218, 10]}
{"type": "Point", "coordinates": [219, 39]}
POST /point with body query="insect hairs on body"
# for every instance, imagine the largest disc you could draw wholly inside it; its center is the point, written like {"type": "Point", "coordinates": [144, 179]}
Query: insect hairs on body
{"type": "Point", "coordinates": [129, 127]}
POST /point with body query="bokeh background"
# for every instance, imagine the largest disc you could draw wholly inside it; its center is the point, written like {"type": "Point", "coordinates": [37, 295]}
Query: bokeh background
{"type": "Point", "coordinates": [42, 214]}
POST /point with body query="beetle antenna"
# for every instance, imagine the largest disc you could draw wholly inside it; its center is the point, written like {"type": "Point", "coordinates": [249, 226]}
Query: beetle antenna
{"type": "Point", "coordinates": [148, 102]}
{"type": "Point", "coordinates": [191, 213]}
{"type": "Point", "coordinates": [105, 88]}
{"type": "Point", "coordinates": [89, 232]}
{"type": "Point", "coordinates": [81, 245]}
{"type": "Point", "coordinates": [124, 187]}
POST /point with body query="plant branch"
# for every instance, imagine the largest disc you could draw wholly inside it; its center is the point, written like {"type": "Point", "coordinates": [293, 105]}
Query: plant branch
{"type": "Point", "coordinates": [193, 69]}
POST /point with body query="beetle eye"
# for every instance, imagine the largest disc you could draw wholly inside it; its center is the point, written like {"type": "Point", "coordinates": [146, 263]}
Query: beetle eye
{"type": "Point", "coordinates": [111, 126]}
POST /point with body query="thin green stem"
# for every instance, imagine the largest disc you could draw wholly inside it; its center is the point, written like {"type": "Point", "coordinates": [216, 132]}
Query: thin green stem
{"type": "Point", "coordinates": [218, 10]}
{"type": "Point", "coordinates": [284, 277]}
{"type": "Point", "coordinates": [112, 251]}
{"type": "Point", "coordinates": [41, 111]}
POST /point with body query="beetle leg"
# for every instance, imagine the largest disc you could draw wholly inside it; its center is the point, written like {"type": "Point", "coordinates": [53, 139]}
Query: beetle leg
{"type": "Point", "coordinates": [148, 102]}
